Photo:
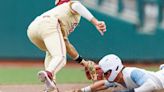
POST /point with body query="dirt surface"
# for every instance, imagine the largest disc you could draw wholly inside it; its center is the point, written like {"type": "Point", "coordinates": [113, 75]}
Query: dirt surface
{"type": "Point", "coordinates": [40, 88]}
{"type": "Point", "coordinates": [37, 88]}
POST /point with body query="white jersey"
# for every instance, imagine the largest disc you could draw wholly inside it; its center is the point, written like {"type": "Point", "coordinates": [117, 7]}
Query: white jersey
{"type": "Point", "coordinates": [68, 20]}
{"type": "Point", "coordinates": [129, 83]}
{"type": "Point", "coordinates": [135, 77]}
{"type": "Point", "coordinates": [142, 80]}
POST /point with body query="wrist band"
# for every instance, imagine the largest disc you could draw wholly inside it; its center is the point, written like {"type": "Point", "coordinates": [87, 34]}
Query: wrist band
{"type": "Point", "coordinates": [79, 59]}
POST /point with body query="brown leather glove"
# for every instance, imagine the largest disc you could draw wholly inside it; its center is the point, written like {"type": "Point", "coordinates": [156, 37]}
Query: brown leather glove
{"type": "Point", "coordinates": [93, 71]}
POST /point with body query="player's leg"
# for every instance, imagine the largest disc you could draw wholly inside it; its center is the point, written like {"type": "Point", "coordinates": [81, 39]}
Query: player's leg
{"type": "Point", "coordinates": [55, 45]}
{"type": "Point", "coordinates": [37, 41]}
{"type": "Point", "coordinates": [47, 60]}
{"type": "Point", "coordinates": [56, 48]}
{"type": "Point", "coordinates": [56, 53]}
{"type": "Point", "coordinates": [33, 35]}
{"type": "Point", "coordinates": [57, 61]}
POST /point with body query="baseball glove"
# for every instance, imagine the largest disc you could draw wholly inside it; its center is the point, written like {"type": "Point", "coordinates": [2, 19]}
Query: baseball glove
{"type": "Point", "coordinates": [93, 71]}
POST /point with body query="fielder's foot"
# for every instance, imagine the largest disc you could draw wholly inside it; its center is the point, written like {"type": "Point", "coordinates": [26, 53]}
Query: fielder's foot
{"type": "Point", "coordinates": [46, 77]}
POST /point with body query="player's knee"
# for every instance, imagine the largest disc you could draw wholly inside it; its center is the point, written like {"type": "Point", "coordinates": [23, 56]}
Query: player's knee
{"type": "Point", "coordinates": [62, 59]}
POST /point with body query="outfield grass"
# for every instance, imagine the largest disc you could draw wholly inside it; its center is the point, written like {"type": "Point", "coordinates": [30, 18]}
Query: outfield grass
{"type": "Point", "coordinates": [29, 75]}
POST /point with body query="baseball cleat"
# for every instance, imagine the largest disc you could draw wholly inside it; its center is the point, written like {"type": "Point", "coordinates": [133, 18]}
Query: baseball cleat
{"type": "Point", "coordinates": [46, 77]}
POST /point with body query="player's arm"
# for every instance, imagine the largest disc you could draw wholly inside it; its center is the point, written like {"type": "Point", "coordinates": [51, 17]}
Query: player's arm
{"type": "Point", "coordinates": [73, 53]}
{"type": "Point", "coordinates": [148, 86]}
{"type": "Point", "coordinates": [71, 50]}
{"type": "Point", "coordinates": [145, 83]}
{"type": "Point", "coordinates": [77, 7]}
{"type": "Point", "coordinates": [97, 86]}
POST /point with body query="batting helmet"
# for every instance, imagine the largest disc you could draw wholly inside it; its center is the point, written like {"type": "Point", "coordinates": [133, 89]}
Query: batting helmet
{"type": "Point", "coordinates": [58, 2]}
{"type": "Point", "coordinates": [111, 63]}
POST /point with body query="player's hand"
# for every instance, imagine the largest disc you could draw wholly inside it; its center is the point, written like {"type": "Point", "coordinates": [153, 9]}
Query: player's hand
{"type": "Point", "coordinates": [101, 27]}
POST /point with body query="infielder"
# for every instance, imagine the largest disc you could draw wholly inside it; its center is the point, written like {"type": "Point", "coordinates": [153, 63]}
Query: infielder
{"type": "Point", "coordinates": [132, 78]}
{"type": "Point", "coordinates": [50, 32]}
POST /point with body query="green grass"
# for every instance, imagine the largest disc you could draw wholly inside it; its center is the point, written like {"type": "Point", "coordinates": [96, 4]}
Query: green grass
{"type": "Point", "coordinates": [18, 75]}
{"type": "Point", "coordinates": [29, 75]}
{"type": "Point", "coordinates": [71, 75]}
{"type": "Point", "coordinates": [152, 68]}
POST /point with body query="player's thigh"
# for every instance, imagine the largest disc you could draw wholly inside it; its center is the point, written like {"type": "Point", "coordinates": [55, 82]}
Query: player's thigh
{"type": "Point", "coordinates": [39, 43]}
{"type": "Point", "coordinates": [55, 45]}
{"type": "Point", "coordinates": [34, 35]}
{"type": "Point", "coordinates": [51, 34]}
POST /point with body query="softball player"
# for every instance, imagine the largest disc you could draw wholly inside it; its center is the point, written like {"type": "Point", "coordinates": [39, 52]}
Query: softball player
{"type": "Point", "coordinates": [50, 32]}
{"type": "Point", "coordinates": [132, 78]}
